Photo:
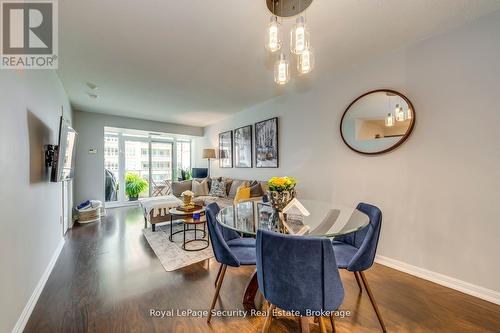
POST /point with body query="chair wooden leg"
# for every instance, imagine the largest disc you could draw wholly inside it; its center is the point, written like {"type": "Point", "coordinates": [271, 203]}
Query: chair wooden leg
{"type": "Point", "coordinates": [219, 284]}
{"type": "Point", "coordinates": [322, 325]}
{"type": "Point", "coordinates": [269, 319]}
{"type": "Point", "coordinates": [332, 321]}
{"type": "Point", "coordinates": [218, 275]}
{"type": "Point", "coordinates": [372, 300]}
{"type": "Point", "coordinates": [357, 281]}
{"type": "Point", "coordinates": [304, 324]}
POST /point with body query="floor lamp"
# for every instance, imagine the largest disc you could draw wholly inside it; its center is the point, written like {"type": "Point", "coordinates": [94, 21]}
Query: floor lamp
{"type": "Point", "coordinates": [209, 153]}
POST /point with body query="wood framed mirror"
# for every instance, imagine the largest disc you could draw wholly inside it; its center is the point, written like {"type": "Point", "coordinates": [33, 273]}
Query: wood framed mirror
{"type": "Point", "coordinates": [377, 122]}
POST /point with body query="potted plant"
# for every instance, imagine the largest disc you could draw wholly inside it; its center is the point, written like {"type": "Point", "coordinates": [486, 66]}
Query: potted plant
{"type": "Point", "coordinates": [281, 191]}
{"type": "Point", "coordinates": [134, 185]}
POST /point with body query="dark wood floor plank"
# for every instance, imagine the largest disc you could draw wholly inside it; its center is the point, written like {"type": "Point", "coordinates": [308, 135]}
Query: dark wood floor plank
{"type": "Point", "coordinates": [107, 279]}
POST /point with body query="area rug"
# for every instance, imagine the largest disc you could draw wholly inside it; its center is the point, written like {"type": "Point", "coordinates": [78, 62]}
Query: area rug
{"type": "Point", "coordinates": [171, 254]}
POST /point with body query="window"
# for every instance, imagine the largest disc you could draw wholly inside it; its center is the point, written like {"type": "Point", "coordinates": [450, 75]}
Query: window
{"type": "Point", "coordinates": [110, 151]}
{"type": "Point", "coordinates": [130, 152]}
{"type": "Point", "coordinates": [157, 165]}
{"type": "Point", "coordinates": [183, 154]}
{"type": "Point", "coordinates": [152, 158]}
{"type": "Point", "coordinates": [111, 166]}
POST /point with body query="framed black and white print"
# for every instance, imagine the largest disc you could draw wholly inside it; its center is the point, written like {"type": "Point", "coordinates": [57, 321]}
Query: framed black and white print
{"type": "Point", "coordinates": [226, 149]}
{"type": "Point", "coordinates": [266, 144]}
{"type": "Point", "coordinates": [243, 147]}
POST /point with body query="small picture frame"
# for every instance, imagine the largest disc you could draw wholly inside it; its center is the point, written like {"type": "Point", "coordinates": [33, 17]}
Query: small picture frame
{"type": "Point", "coordinates": [266, 144]}
{"type": "Point", "coordinates": [243, 147]}
{"type": "Point", "coordinates": [226, 149]}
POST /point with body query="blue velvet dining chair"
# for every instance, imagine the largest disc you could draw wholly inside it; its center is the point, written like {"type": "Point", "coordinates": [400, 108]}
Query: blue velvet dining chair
{"type": "Point", "coordinates": [355, 252]}
{"type": "Point", "coordinates": [297, 273]}
{"type": "Point", "coordinates": [226, 253]}
{"type": "Point", "coordinates": [231, 237]}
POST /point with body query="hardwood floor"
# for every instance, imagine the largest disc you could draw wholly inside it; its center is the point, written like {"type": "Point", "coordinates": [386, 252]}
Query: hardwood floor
{"type": "Point", "coordinates": [107, 279]}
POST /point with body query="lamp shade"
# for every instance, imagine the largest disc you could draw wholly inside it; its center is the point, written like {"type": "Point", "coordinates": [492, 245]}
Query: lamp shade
{"type": "Point", "coordinates": [208, 153]}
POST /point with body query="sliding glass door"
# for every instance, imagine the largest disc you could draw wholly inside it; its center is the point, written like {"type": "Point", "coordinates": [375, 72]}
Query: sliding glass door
{"type": "Point", "coordinates": [136, 167]}
{"type": "Point", "coordinates": [141, 161]}
{"type": "Point", "coordinates": [161, 168]}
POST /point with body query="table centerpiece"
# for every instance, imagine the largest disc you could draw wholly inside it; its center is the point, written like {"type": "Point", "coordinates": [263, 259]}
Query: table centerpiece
{"type": "Point", "coordinates": [281, 191]}
{"type": "Point", "coordinates": [187, 199]}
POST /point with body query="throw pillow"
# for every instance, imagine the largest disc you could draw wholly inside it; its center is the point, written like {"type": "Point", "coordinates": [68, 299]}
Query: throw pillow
{"type": "Point", "coordinates": [256, 189]}
{"type": "Point", "coordinates": [218, 188]}
{"type": "Point", "coordinates": [179, 187]}
{"type": "Point", "coordinates": [200, 188]}
{"type": "Point", "coordinates": [237, 183]}
{"type": "Point", "coordinates": [242, 194]}
{"type": "Point", "coordinates": [229, 182]}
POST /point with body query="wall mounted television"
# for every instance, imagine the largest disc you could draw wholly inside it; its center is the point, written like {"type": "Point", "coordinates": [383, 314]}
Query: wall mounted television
{"type": "Point", "coordinates": [63, 167]}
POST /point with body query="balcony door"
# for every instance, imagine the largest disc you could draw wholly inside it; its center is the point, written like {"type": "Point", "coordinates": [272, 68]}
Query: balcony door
{"type": "Point", "coordinates": [161, 170]}
{"type": "Point", "coordinates": [138, 158]}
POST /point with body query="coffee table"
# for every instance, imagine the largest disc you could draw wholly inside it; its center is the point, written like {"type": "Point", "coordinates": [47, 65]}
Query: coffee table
{"type": "Point", "coordinates": [187, 221]}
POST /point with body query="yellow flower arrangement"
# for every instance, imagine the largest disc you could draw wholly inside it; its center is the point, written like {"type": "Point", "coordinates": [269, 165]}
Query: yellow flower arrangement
{"type": "Point", "coordinates": [280, 184]}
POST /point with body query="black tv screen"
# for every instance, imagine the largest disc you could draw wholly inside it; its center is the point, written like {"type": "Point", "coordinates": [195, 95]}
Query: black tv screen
{"type": "Point", "coordinates": [64, 158]}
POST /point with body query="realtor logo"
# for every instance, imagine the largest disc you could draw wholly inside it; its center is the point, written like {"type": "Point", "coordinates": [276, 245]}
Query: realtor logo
{"type": "Point", "coordinates": [29, 35]}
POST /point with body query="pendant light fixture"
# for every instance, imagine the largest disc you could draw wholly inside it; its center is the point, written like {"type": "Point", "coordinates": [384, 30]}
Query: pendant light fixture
{"type": "Point", "coordinates": [281, 70]}
{"type": "Point", "coordinates": [299, 38]}
{"type": "Point", "coordinates": [399, 113]}
{"type": "Point", "coordinates": [305, 62]}
{"type": "Point", "coordinates": [409, 114]}
{"type": "Point", "coordinates": [389, 120]}
{"type": "Point", "coordinates": [273, 43]}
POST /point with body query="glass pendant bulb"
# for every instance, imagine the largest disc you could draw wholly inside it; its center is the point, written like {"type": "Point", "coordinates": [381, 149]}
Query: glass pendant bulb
{"type": "Point", "coordinates": [389, 120]}
{"type": "Point", "coordinates": [281, 70]}
{"type": "Point", "coordinates": [273, 43]}
{"type": "Point", "coordinates": [299, 36]}
{"type": "Point", "coordinates": [305, 63]}
{"type": "Point", "coordinates": [400, 114]}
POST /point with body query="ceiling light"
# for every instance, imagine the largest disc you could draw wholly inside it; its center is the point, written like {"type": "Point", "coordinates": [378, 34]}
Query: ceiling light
{"type": "Point", "coordinates": [273, 43]}
{"type": "Point", "coordinates": [305, 62]}
{"type": "Point", "coordinates": [389, 120]}
{"type": "Point", "coordinates": [92, 86]}
{"type": "Point", "coordinates": [281, 70]}
{"type": "Point", "coordinates": [299, 36]}
{"type": "Point", "coordinates": [399, 113]}
{"type": "Point", "coordinates": [409, 114]}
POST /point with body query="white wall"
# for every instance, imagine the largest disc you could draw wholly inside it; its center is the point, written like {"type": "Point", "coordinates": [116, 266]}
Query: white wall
{"type": "Point", "coordinates": [89, 170]}
{"type": "Point", "coordinates": [30, 206]}
{"type": "Point", "coordinates": [439, 191]}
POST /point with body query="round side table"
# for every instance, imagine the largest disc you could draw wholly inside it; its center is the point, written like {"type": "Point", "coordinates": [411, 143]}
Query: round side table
{"type": "Point", "coordinates": [187, 221]}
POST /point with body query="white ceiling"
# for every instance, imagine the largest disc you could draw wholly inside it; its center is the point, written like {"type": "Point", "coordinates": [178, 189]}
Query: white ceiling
{"type": "Point", "coordinates": [197, 61]}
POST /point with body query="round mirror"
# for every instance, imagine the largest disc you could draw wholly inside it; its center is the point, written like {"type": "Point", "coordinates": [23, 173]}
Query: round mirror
{"type": "Point", "coordinates": [377, 122]}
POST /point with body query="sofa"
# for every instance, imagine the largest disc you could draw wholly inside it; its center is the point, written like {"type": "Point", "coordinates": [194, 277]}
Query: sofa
{"type": "Point", "coordinates": [259, 188]}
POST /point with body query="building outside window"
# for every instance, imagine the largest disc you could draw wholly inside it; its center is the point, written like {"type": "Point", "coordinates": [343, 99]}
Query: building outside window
{"type": "Point", "coordinates": [152, 158]}
{"type": "Point", "coordinates": [183, 155]}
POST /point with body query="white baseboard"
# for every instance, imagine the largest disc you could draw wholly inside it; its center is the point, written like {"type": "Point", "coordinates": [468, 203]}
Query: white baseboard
{"type": "Point", "coordinates": [25, 315]}
{"type": "Point", "coordinates": [462, 286]}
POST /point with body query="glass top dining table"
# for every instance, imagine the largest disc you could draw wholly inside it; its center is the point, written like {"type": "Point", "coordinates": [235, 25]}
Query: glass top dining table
{"type": "Point", "coordinates": [325, 219]}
